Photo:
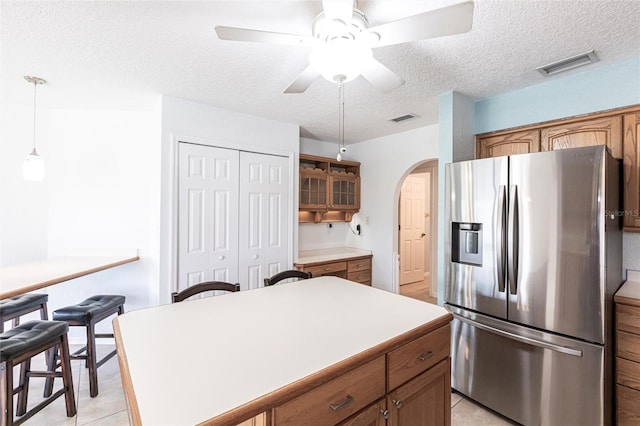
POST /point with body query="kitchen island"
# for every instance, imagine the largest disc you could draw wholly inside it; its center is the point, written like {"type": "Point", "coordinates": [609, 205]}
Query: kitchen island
{"type": "Point", "coordinates": [314, 352]}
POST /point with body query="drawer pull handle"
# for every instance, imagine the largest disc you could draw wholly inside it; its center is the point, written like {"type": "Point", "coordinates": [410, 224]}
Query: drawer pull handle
{"type": "Point", "coordinates": [397, 403]}
{"type": "Point", "coordinates": [385, 414]}
{"type": "Point", "coordinates": [425, 356]}
{"type": "Point", "coordinates": [343, 404]}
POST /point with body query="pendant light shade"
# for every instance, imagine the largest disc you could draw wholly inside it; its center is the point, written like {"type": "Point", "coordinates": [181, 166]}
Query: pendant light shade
{"type": "Point", "coordinates": [33, 166]}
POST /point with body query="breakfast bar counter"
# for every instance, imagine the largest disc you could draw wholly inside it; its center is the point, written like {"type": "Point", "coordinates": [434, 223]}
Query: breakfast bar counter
{"type": "Point", "coordinates": [316, 351]}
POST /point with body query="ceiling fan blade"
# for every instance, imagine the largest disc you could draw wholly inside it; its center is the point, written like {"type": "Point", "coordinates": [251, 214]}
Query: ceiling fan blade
{"type": "Point", "coordinates": [303, 81]}
{"type": "Point", "coordinates": [338, 9]}
{"type": "Point", "coordinates": [454, 19]}
{"type": "Point", "coordinates": [245, 34]}
{"type": "Point", "coordinates": [381, 77]}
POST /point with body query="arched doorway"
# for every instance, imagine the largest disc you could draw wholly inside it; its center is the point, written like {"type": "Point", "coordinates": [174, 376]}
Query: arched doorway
{"type": "Point", "coordinates": [417, 232]}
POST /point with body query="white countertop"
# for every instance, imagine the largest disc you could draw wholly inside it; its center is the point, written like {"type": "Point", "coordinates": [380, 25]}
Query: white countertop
{"type": "Point", "coordinates": [26, 277]}
{"type": "Point", "coordinates": [192, 361]}
{"type": "Point", "coordinates": [631, 288]}
{"type": "Point", "coordinates": [329, 254]}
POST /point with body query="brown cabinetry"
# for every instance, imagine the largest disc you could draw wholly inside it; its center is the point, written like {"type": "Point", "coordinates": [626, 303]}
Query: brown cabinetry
{"type": "Point", "coordinates": [356, 269]}
{"type": "Point", "coordinates": [589, 132]}
{"type": "Point", "coordinates": [631, 150]}
{"type": "Point", "coordinates": [329, 189]}
{"type": "Point", "coordinates": [417, 390]}
{"type": "Point", "coordinates": [627, 361]}
{"type": "Point", "coordinates": [618, 129]}
{"type": "Point", "coordinates": [510, 143]}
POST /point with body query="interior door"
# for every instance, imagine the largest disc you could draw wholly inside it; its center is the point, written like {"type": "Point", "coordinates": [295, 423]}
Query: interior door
{"type": "Point", "coordinates": [265, 214]}
{"type": "Point", "coordinates": [207, 219]}
{"type": "Point", "coordinates": [412, 232]}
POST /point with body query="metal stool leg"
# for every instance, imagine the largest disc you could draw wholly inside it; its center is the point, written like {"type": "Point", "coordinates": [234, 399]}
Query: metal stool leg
{"type": "Point", "coordinates": [67, 377]}
{"type": "Point", "coordinates": [6, 393]}
{"type": "Point", "coordinates": [23, 393]}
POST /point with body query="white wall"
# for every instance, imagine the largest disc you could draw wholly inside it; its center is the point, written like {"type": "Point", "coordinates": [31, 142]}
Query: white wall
{"type": "Point", "coordinates": [100, 193]}
{"type": "Point", "coordinates": [189, 121]}
{"type": "Point", "coordinates": [23, 205]}
{"type": "Point", "coordinates": [385, 162]}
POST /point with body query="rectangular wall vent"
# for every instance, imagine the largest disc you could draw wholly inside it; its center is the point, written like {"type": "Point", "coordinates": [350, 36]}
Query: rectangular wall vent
{"type": "Point", "coordinates": [568, 64]}
{"type": "Point", "coordinates": [403, 118]}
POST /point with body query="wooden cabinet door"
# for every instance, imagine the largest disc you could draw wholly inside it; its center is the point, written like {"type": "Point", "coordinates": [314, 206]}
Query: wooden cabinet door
{"type": "Point", "coordinates": [344, 192]}
{"type": "Point", "coordinates": [424, 400]}
{"type": "Point", "coordinates": [631, 148]}
{"type": "Point", "coordinates": [313, 190]}
{"type": "Point", "coordinates": [509, 144]}
{"type": "Point", "coordinates": [373, 415]}
{"type": "Point", "coordinates": [598, 131]}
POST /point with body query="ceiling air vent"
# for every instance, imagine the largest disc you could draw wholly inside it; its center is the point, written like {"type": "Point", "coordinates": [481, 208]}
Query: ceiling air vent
{"type": "Point", "coordinates": [403, 118]}
{"type": "Point", "coordinates": [568, 64]}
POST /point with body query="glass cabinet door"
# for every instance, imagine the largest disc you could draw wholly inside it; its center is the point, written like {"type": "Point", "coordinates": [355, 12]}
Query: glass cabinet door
{"type": "Point", "coordinates": [344, 193]}
{"type": "Point", "coordinates": [313, 191]}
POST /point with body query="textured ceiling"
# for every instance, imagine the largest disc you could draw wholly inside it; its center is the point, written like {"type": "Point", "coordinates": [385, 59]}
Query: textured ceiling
{"type": "Point", "coordinates": [121, 54]}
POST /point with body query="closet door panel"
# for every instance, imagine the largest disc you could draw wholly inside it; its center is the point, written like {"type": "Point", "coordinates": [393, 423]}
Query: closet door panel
{"type": "Point", "coordinates": [264, 214]}
{"type": "Point", "coordinates": [207, 218]}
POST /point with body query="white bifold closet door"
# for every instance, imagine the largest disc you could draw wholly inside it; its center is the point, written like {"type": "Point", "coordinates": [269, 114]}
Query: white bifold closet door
{"type": "Point", "coordinates": [233, 215]}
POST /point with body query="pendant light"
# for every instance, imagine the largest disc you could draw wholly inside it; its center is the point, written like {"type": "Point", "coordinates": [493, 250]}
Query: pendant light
{"type": "Point", "coordinates": [33, 166]}
{"type": "Point", "coordinates": [341, 148]}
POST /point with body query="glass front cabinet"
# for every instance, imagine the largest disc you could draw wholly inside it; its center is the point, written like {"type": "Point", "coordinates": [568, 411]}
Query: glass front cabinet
{"type": "Point", "coordinates": [329, 189]}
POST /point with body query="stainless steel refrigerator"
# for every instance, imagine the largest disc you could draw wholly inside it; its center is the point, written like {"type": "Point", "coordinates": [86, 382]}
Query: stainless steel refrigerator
{"type": "Point", "coordinates": [533, 253]}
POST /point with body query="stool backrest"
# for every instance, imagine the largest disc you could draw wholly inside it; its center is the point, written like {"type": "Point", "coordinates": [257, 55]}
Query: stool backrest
{"type": "Point", "coordinates": [201, 288]}
{"type": "Point", "coordinates": [284, 275]}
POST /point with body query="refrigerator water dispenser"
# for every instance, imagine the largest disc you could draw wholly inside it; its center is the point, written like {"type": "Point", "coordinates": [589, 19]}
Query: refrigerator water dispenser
{"type": "Point", "coordinates": [466, 243]}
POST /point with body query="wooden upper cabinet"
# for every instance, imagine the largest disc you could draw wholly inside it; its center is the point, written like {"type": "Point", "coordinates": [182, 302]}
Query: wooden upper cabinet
{"type": "Point", "coordinates": [508, 144]}
{"type": "Point", "coordinates": [597, 131]}
{"type": "Point", "coordinates": [631, 149]}
{"type": "Point", "coordinates": [329, 189]}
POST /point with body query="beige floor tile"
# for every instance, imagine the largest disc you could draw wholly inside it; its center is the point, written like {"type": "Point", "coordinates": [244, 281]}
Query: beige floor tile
{"type": "Point", "coordinates": [468, 413]}
{"type": "Point", "coordinates": [455, 398]}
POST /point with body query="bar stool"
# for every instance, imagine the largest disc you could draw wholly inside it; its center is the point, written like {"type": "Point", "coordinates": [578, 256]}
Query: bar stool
{"type": "Point", "coordinates": [14, 307]}
{"type": "Point", "coordinates": [87, 314]}
{"type": "Point", "coordinates": [18, 346]}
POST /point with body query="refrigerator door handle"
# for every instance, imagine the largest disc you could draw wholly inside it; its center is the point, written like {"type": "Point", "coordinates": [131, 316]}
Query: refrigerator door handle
{"type": "Point", "coordinates": [501, 236]}
{"type": "Point", "coordinates": [513, 242]}
{"type": "Point", "coordinates": [523, 339]}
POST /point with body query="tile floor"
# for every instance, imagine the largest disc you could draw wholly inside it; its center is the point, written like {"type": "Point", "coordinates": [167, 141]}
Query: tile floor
{"type": "Point", "coordinates": [418, 290]}
{"type": "Point", "coordinates": [109, 407]}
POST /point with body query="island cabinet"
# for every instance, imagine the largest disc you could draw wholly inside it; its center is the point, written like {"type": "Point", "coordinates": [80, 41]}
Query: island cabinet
{"type": "Point", "coordinates": [408, 386]}
{"type": "Point", "coordinates": [329, 189]}
{"type": "Point", "coordinates": [627, 302]}
{"type": "Point", "coordinates": [318, 352]}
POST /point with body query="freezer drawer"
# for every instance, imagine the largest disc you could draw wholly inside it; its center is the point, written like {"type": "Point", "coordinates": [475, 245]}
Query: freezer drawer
{"type": "Point", "coordinates": [531, 377]}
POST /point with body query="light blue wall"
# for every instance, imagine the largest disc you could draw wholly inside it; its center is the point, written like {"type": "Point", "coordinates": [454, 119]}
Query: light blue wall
{"type": "Point", "coordinates": [445, 156]}
{"type": "Point", "coordinates": [605, 88]}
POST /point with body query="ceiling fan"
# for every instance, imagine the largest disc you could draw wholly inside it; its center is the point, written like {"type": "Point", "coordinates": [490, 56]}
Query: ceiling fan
{"type": "Point", "coordinates": [342, 40]}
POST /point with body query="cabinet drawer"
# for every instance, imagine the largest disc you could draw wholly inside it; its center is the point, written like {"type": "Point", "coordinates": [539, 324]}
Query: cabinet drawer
{"type": "Point", "coordinates": [628, 318]}
{"type": "Point", "coordinates": [628, 346]}
{"type": "Point", "coordinates": [359, 265]}
{"type": "Point", "coordinates": [415, 357]}
{"type": "Point", "coordinates": [628, 406]}
{"type": "Point", "coordinates": [327, 268]}
{"type": "Point", "coordinates": [360, 276]}
{"type": "Point", "coordinates": [628, 373]}
{"type": "Point", "coordinates": [335, 400]}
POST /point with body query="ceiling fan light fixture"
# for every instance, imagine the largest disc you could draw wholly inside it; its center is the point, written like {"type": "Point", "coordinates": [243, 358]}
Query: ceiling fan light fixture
{"type": "Point", "coordinates": [340, 59]}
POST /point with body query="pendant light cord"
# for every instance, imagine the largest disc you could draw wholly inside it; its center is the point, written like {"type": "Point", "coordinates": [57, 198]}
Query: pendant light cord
{"type": "Point", "coordinates": [35, 85]}
{"type": "Point", "coordinates": [340, 115]}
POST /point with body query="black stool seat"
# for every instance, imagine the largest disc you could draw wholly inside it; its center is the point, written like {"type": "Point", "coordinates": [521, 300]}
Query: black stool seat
{"type": "Point", "coordinates": [17, 304]}
{"type": "Point", "coordinates": [92, 308]}
{"type": "Point", "coordinates": [25, 337]}
{"type": "Point", "coordinates": [14, 307]}
{"type": "Point", "coordinates": [87, 314]}
{"type": "Point", "coordinates": [17, 347]}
